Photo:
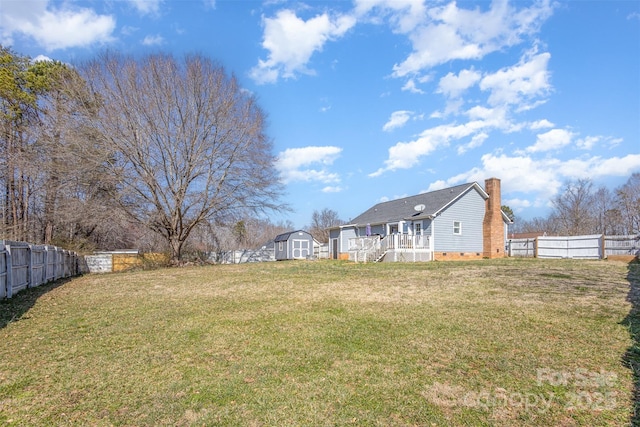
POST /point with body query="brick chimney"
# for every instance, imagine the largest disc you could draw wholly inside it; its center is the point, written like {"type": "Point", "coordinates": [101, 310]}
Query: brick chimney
{"type": "Point", "coordinates": [493, 225]}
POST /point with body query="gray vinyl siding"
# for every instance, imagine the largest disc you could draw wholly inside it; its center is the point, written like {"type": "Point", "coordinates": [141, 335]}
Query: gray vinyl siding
{"type": "Point", "coordinates": [281, 253]}
{"type": "Point", "coordinates": [426, 227]}
{"type": "Point", "coordinates": [361, 230]}
{"type": "Point", "coordinates": [469, 210]}
{"type": "Point", "coordinates": [347, 233]}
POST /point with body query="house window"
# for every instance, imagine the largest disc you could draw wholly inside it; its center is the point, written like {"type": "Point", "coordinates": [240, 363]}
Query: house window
{"type": "Point", "coordinates": [280, 246]}
{"type": "Point", "coordinates": [417, 228]}
{"type": "Point", "coordinates": [393, 229]}
{"type": "Point", "coordinates": [457, 227]}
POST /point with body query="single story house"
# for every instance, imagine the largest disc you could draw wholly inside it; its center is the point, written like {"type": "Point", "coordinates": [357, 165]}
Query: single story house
{"type": "Point", "coordinates": [461, 222]}
{"type": "Point", "coordinates": [293, 245]}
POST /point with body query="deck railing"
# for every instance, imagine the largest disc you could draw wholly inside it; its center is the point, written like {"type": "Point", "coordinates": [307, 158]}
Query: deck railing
{"type": "Point", "coordinates": [373, 248]}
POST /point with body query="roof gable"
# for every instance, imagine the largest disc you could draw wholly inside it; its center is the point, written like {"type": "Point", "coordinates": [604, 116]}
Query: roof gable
{"type": "Point", "coordinates": [285, 236]}
{"type": "Point", "coordinates": [402, 209]}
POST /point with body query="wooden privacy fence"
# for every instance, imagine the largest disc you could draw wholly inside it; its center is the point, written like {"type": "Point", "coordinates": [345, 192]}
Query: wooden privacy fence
{"type": "Point", "coordinates": [595, 246]}
{"type": "Point", "coordinates": [122, 260]}
{"type": "Point", "coordinates": [23, 265]}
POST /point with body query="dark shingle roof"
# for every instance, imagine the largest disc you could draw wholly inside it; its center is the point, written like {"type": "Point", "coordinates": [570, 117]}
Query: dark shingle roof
{"type": "Point", "coordinates": [285, 236]}
{"type": "Point", "coordinates": [399, 209]}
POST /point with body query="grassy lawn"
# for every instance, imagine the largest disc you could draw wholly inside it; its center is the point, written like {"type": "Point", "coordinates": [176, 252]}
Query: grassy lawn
{"type": "Point", "coordinates": [504, 342]}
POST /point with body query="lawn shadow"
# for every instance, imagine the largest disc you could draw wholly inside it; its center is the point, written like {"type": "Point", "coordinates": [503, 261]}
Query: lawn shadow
{"type": "Point", "coordinates": [631, 358]}
{"type": "Point", "coordinates": [12, 309]}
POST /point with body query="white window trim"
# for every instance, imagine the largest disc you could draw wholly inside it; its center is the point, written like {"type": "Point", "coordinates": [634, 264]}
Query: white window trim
{"type": "Point", "coordinates": [459, 227]}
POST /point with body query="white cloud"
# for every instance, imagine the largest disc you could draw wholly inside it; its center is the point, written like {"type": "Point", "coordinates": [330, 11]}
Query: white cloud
{"type": "Point", "coordinates": [404, 15]}
{"type": "Point", "coordinates": [147, 7]}
{"type": "Point", "coordinates": [410, 86]}
{"type": "Point", "coordinates": [156, 40]}
{"type": "Point", "coordinates": [55, 28]}
{"type": "Point", "coordinates": [452, 106]}
{"type": "Point", "coordinates": [452, 33]}
{"type": "Point", "coordinates": [517, 173]}
{"type": "Point", "coordinates": [519, 84]}
{"type": "Point", "coordinates": [588, 142]}
{"type": "Point", "coordinates": [542, 177]}
{"type": "Point", "coordinates": [397, 120]}
{"type": "Point", "coordinates": [42, 58]}
{"type": "Point", "coordinates": [551, 140]}
{"type": "Point", "coordinates": [291, 42]}
{"type": "Point", "coordinates": [295, 164]}
{"type": "Point", "coordinates": [405, 155]}
{"type": "Point", "coordinates": [332, 189]}
{"type": "Point", "coordinates": [595, 167]}
{"type": "Point", "coordinates": [453, 85]}
{"type": "Point", "coordinates": [476, 141]}
{"type": "Point", "coordinates": [518, 205]}
{"type": "Point", "coordinates": [541, 124]}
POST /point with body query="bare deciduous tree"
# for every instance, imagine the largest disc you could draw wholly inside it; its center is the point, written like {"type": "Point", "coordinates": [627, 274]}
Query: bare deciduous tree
{"type": "Point", "coordinates": [574, 208]}
{"type": "Point", "coordinates": [321, 221]}
{"type": "Point", "coordinates": [628, 203]}
{"type": "Point", "coordinates": [189, 145]}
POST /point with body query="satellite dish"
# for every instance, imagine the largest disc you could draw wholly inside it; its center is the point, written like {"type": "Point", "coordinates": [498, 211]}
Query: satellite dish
{"type": "Point", "coordinates": [419, 208]}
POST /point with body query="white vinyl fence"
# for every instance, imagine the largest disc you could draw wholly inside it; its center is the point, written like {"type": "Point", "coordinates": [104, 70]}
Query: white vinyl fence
{"type": "Point", "coordinates": [264, 254]}
{"type": "Point", "coordinates": [524, 248]}
{"type": "Point", "coordinates": [244, 255]}
{"type": "Point", "coordinates": [622, 245]}
{"type": "Point", "coordinates": [23, 265]}
{"type": "Point", "coordinates": [581, 247]}
{"type": "Point", "coordinates": [595, 246]}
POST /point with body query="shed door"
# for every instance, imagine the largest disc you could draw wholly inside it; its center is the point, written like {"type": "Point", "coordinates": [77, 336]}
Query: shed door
{"type": "Point", "coordinates": [300, 249]}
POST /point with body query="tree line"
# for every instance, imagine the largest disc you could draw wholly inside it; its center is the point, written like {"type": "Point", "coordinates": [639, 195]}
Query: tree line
{"type": "Point", "coordinates": [582, 209]}
{"type": "Point", "coordinates": [156, 153]}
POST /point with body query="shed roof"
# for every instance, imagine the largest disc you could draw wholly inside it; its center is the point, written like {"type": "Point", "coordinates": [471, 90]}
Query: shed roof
{"type": "Point", "coordinates": [285, 236]}
{"type": "Point", "coordinates": [405, 208]}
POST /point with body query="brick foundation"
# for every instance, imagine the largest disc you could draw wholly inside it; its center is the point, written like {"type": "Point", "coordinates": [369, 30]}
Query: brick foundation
{"type": "Point", "coordinates": [456, 256]}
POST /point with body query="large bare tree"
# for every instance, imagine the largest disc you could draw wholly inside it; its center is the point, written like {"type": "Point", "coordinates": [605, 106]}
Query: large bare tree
{"type": "Point", "coordinates": [321, 221]}
{"type": "Point", "coordinates": [189, 145]}
{"type": "Point", "coordinates": [628, 203]}
{"type": "Point", "coordinates": [574, 208]}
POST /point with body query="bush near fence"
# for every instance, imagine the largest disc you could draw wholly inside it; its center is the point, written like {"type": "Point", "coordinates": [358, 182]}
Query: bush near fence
{"type": "Point", "coordinates": [24, 265]}
{"type": "Point", "coordinates": [597, 246]}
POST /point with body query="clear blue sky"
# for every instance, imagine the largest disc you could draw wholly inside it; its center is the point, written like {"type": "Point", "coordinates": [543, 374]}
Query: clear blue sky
{"type": "Point", "coordinates": [378, 99]}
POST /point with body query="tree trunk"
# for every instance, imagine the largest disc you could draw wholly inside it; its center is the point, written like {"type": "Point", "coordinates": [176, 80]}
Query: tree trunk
{"type": "Point", "coordinates": [176, 249]}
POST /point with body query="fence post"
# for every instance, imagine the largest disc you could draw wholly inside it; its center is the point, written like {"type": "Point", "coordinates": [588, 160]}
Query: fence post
{"type": "Point", "coordinates": [535, 247]}
{"type": "Point", "coordinates": [9, 271]}
{"type": "Point", "coordinates": [30, 268]}
{"type": "Point", "coordinates": [45, 254]}
{"type": "Point", "coordinates": [56, 265]}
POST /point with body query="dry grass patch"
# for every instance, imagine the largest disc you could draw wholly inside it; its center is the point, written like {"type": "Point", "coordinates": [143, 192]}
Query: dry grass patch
{"type": "Point", "coordinates": [504, 342]}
